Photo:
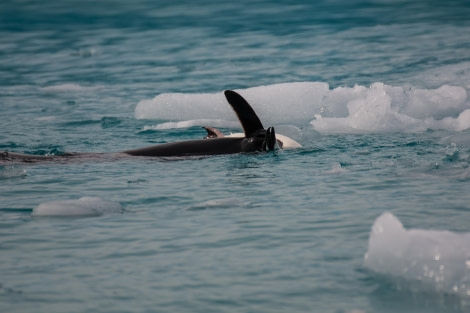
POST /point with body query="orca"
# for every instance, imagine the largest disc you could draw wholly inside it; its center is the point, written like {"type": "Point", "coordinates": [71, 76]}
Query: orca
{"type": "Point", "coordinates": [255, 138]}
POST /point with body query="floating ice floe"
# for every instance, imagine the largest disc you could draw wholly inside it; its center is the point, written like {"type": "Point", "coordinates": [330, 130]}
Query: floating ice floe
{"type": "Point", "coordinates": [429, 259]}
{"type": "Point", "coordinates": [85, 206]}
{"type": "Point", "coordinates": [359, 109]}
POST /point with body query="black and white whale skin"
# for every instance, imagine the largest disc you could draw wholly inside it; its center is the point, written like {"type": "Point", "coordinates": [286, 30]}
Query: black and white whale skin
{"type": "Point", "coordinates": [283, 142]}
{"type": "Point", "coordinates": [256, 138]}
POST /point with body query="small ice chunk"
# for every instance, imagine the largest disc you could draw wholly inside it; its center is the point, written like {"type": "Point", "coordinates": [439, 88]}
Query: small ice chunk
{"type": "Point", "coordinates": [435, 259]}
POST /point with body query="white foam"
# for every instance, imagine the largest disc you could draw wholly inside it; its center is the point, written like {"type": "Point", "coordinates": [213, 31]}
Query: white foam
{"type": "Point", "coordinates": [85, 206]}
{"type": "Point", "coordinates": [435, 260]}
{"type": "Point", "coordinates": [358, 109]}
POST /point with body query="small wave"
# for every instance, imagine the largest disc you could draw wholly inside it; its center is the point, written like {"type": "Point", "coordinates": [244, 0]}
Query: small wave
{"type": "Point", "coordinates": [336, 170]}
{"type": "Point", "coordinates": [11, 172]}
{"type": "Point", "coordinates": [426, 259]}
{"type": "Point", "coordinates": [110, 121]}
{"type": "Point", "coordinates": [70, 87]}
{"type": "Point", "coordinates": [358, 109]}
{"type": "Point", "coordinates": [45, 118]}
{"type": "Point", "coordinates": [218, 204]}
{"type": "Point", "coordinates": [85, 206]}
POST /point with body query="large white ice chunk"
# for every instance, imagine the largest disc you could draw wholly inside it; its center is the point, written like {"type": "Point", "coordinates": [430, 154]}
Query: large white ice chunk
{"type": "Point", "coordinates": [438, 260]}
{"type": "Point", "coordinates": [288, 103]}
{"type": "Point", "coordinates": [357, 109]}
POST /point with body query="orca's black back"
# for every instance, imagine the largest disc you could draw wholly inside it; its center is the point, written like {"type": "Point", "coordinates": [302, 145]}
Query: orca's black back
{"type": "Point", "coordinates": [194, 147]}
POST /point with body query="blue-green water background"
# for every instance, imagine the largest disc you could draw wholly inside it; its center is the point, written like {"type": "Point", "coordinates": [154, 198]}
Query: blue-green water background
{"type": "Point", "coordinates": [277, 232]}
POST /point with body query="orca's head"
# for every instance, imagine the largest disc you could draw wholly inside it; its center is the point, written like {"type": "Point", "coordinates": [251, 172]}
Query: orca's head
{"type": "Point", "coordinates": [262, 140]}
{"type": "Point", "coordinates": [270, 141]}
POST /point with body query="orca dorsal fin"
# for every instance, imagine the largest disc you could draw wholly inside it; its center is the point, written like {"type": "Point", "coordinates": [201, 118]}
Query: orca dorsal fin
{"type": "Point", "coordinates": [212, 132]}
{"type": "Point", "coordinates": [245, 113]}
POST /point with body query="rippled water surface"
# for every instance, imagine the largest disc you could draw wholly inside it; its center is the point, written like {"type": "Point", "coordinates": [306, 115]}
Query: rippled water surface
{"type": "Point", "coordinates": [375, 91]}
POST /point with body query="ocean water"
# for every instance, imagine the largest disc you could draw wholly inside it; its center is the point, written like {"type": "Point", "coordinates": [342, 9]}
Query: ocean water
{"type": "Point", "coordinates": [370, 215]}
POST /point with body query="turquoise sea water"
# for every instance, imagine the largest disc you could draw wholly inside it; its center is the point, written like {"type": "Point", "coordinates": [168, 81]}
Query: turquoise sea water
{"type": "Point", "coordinates": [375, 91]}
